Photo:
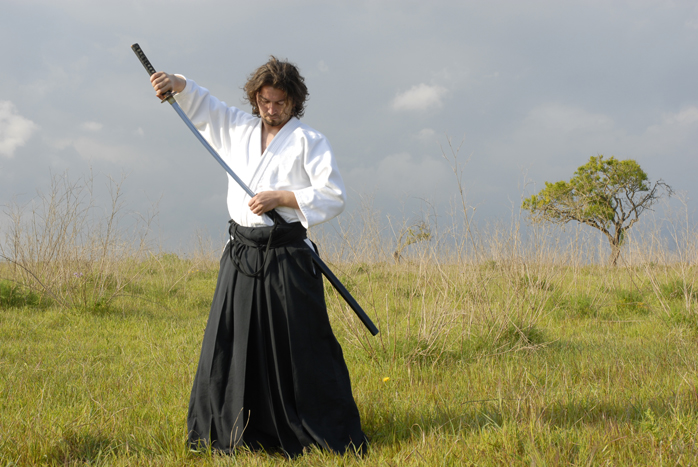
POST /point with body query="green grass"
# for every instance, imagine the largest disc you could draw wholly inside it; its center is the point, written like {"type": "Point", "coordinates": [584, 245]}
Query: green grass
{"type": "Point", "coordinates": [13, 295]}
{"type": "Point", "coordinates": [475, 365]}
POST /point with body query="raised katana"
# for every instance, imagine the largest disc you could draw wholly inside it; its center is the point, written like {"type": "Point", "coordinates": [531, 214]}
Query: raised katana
{"type": "Point", "coordinates": [273, 214]}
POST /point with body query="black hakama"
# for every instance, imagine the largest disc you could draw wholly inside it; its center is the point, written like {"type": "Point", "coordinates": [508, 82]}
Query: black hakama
{"type": "Point", "coordinates": [271, 373]}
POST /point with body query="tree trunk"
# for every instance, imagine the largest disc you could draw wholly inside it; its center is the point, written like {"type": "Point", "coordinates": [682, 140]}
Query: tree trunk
{"type": "Point", "coordinates": [615, 252]}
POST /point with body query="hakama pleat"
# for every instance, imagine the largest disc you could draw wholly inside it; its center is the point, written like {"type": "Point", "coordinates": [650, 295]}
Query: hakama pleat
{"type": "Point", "coordinates": [271, 373]}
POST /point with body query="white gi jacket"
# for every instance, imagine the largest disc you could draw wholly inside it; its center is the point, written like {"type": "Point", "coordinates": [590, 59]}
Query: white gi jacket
{"type": "Point", "coordinates": [299, 159]}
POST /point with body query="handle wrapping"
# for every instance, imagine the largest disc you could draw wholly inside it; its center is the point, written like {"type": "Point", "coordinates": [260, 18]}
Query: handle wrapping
{"type": "Point", "coordinates": [144, 60]}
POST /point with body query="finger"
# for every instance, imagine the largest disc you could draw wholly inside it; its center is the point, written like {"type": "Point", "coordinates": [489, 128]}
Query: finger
{"type": "Point", "coordinates": [162, 83]}
{"type": "Point", "coordinates": [163, 79]}
{"type": "Point", "coordinates": [157, 77]}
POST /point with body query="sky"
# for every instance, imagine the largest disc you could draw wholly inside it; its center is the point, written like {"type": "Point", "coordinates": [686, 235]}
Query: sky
{"type": "Point", "coordinates": [528, 91]}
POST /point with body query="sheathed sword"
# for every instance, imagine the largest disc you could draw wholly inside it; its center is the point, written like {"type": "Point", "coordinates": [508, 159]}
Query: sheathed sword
{"type": "Point", "coordinates": [273, 214]}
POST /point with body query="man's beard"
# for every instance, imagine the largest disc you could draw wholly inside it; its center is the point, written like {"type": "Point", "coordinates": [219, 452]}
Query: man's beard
{"type": "Point", "coordinates": [279, 120]}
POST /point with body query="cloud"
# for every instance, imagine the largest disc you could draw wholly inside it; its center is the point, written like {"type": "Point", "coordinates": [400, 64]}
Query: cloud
{"type": "Point", "coordinates": [122, 155]}
{"type": "Point", "coordinates": [561, 118]}
{"type": "Point", "coordinates": [66, 78]}
{"type": "Point", "coordinates": [91, 126]}
{"type": "Point", "coordinates": [420, 97]}
{"type": "Point", "coordinates": [59, 143]}
{"type": "Point", "coordinates": [685, 118]}
{"type": "Point", "coordinates": [676, 134]}
{"type": "Point", "coordinates": [553, 139]}
{"type": "Point", "coordinates": [399, 174]}
{"type": "Point", "coordinates": [15, 130]}
{"type": "Point", "coordinates": [426, 134]}
{"type": "Point", "coordinates": [692, 21]}
{"type": "Point", "coordinates": [553, 133]}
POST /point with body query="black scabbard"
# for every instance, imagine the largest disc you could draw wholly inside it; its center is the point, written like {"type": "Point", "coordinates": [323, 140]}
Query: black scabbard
{"type": "Point", "coordinates": [336, 283]}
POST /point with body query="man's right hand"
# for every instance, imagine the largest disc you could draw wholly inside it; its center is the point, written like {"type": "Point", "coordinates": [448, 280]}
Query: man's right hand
{"type": "Point", "coordinates": [163, 83]}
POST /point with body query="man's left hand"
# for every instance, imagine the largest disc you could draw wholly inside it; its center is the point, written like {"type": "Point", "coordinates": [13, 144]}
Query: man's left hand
{"type": "Point", "coordinates": [267, 200]}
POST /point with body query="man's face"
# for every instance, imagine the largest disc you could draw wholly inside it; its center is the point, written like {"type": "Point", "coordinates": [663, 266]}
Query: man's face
{"type": "Point", "coordinates": [274, 107]}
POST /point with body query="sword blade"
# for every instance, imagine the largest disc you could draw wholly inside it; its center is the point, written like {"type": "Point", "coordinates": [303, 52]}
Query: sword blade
{"type": "Point", "coordinates": [208, 147]}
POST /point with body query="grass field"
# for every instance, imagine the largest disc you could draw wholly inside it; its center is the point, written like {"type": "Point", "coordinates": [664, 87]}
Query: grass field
{"type": "Point", "coordinates": [478, 363]}
{"type": "Point", "coordinates": [496, 348]}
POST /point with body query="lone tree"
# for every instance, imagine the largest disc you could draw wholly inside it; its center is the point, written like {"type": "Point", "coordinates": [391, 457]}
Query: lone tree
{"type": "Point", "coordinates": [606, 194]}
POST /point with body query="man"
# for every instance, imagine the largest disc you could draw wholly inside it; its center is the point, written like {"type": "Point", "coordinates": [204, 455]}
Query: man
{"type": "Point", "coordinates": [271, 374]}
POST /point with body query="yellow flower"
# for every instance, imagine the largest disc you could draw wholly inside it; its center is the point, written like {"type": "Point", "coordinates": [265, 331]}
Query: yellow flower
{"type": "Point", "coordinates": [386, 379]}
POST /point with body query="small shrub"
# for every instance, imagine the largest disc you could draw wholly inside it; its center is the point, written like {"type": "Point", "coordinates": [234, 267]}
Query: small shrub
{"type": "Point", "coordinates": [581, 306]}
{"type": "Point", "coordinates": [533, 281]}
{"type": "Point", "coordinates": [677, 290]}
{"type": "Point", "coordinates": [630, 302]}
{"type": "Point", "coordinates": [678, 315]}
{"type": "Point", "coordinates": [514, 336]}
{"type": "Point", "coordinates": [13, 295]}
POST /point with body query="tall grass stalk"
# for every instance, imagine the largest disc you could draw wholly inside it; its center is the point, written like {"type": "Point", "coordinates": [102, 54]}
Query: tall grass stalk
{"type": "Point", "coordinates": [66, 249]}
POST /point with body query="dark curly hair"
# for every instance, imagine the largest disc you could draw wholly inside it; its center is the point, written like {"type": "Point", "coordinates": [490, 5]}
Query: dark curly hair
{"type": "Point", "coordinates": [279, 75]}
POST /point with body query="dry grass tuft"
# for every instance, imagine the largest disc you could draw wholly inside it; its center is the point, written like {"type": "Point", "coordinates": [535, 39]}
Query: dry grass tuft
{"type": "Point", "coordinates": [61, 247]}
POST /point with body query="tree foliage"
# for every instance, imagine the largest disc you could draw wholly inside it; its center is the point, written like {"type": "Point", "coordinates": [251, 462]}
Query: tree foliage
{"type": "Point", "coordinates": [606, 194]}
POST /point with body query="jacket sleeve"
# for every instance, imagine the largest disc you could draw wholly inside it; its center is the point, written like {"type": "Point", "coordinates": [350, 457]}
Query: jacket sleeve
{"type": "Point", "coordinates": [213, 118]}
{"type": "Point", "coordinates": [325, 198]}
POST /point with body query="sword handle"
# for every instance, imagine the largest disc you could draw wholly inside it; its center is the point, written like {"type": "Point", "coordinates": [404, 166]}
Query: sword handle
{"type": "Point", "coordinates": [144, 60]}
{"type": "Point", "coordinates": [150, 69]}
